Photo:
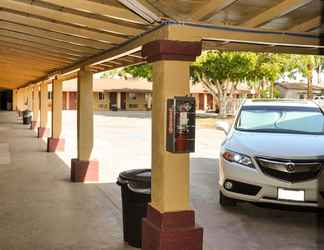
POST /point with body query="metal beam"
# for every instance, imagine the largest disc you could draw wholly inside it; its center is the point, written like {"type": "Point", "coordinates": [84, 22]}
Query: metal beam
{"type": "Point", "coordinates": [211, 8]}
{"type": "Point", "coordinates": [68, 38]}
{"type": "Point", "coordinates": [59, 51]}
{"type": "Point", "coordinates": [100, 8]}
{"type": "Point", "coordinates": [62, 16]}
{"type": "Point", "coordinates": [68, 29]}
{"type": "Point", "coordinates": [53, 43]}
{"type": "Point", "coordinates": [283, 8]}
{"type": "Point", "coordinates": [33, 52]}
{"type": "Point", "coordinates": [308, 25]}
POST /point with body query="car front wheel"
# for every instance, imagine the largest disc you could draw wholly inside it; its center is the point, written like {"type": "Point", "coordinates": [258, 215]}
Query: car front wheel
{"type": "Point", "coordinates": [226, 201]}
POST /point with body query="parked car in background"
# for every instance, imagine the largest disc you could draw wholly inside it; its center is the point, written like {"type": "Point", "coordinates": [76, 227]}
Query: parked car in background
{"type": "Point", "coordinates": [273, 153]}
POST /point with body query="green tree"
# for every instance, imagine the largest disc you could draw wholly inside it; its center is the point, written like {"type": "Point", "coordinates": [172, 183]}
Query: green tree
{"type": "Point", "coordinates": [138, 71]}
{"type": "Point", "coordinates": [220, 72]}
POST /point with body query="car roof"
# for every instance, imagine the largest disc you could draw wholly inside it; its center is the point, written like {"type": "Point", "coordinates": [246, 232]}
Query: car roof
{"type": "Point", "coordinates": [280, 103]}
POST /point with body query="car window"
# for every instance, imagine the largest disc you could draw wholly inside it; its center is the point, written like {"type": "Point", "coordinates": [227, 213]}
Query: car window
{"type": "Point", "coordinates": [281, 120]}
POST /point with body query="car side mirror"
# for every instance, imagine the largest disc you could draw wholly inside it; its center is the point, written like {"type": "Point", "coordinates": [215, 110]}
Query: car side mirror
{"type": "Point", "coordinates": [223, 126]}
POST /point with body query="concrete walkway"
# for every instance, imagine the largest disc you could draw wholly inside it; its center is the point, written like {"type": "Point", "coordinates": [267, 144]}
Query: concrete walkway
{"type": "Point", "coordinates": [40, 208]}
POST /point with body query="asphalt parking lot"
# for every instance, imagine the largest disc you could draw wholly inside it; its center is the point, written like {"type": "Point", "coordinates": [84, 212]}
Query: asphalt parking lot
{"type": "Point", "coordinates": [122, 141]}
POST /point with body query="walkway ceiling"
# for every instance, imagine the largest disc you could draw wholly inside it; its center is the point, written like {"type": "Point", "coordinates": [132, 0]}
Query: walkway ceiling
{"type": "Point", "coordinates": [40, 39]}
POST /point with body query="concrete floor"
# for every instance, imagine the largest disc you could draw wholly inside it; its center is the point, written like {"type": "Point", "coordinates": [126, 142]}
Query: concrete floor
{"type": "Point", "coordinates": [41, 209]}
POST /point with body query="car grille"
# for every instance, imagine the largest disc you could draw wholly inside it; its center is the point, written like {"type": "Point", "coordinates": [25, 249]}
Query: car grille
{"type": "Point", "coordinates": [290, 170]}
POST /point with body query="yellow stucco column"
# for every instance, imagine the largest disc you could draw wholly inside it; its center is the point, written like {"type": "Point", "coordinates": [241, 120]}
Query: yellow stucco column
{"type": "Point", "coordinates": [35, 109]}
{"type": "Point", "coordinates": [20, 100]}
{"type": "Point", "coordinates": [170, 222]}
{"type": "Point", "coordinates": [14, 100]}
{"type": "Point", "coordinates": [55, 142]}
{"type": "Point", "coordinates": [84, 169]}
{"type": "Point", "coordinates": [29, 99]}
{"type": "Point", "coordinates": [169, 171]}
{"type": "Point", "coordinates": [24, 98]}
{"type": "Point", "coordinates": [43, 130]}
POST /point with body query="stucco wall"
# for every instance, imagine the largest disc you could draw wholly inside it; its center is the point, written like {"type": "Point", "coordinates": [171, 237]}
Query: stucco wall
{"type": "Point", "coordinates": [100, 105]}
{"type": "Point", "coordinates": [136, 103]}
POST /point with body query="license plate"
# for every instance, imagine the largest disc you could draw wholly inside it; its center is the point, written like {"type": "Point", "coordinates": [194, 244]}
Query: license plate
{"type": "Point", "coordinates": [291, 195]}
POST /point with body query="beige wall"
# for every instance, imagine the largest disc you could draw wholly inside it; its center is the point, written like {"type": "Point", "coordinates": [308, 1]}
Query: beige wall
{"type": "Point", "coordinates": [138, 103]}
{"type": "Point", "coordinates": [100, 105]}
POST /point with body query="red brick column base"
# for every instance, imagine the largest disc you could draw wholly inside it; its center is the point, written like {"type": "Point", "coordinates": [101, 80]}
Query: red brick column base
{"type": "Point", "coordinates": [42, 132]}
{"type": "Point", "coordinates": [84, 171]}
{"type": "Point", "coordinates": [33, 125]}
{"type": "Point", "coordinates": [171, 231]}
{"type": "Point", "coordinates": [55, 144]}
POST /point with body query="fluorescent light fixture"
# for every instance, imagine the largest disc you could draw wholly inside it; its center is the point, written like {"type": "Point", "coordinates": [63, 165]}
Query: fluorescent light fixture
{"type": "Point", "coordinates": [141, 10]}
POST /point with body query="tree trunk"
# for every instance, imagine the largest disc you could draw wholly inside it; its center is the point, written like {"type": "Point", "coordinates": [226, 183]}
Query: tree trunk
{"type": "Point", "coordinates": [222, 108]}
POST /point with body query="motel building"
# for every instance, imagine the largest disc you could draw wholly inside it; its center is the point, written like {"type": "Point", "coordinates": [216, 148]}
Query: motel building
{"type": "Point", "coordinates": [112, 94]}
{"type": "Point", "coordinates": [118, 94]}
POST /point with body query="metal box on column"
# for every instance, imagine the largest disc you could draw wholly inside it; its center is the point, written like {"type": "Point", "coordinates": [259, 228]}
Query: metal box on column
{"type": "Point", "coordinates": [181, 121]}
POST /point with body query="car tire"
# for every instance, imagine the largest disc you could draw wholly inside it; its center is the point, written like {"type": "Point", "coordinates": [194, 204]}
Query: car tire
{"type": "Point", "coordinates": [226, 201]}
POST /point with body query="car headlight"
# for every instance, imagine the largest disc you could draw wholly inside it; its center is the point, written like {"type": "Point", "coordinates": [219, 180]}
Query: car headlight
{"type": "Point", "coordinates": [238, 158]}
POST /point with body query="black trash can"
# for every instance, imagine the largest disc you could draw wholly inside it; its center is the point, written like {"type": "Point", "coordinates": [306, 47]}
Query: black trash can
{"type": "Point", "coordinates": [27, 116]}
{"type": "Point", "coordinates": [136, 194]}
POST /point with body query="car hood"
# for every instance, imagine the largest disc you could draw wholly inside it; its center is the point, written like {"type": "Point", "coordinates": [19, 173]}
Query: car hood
{"type": "Point", "coordinates": [292, 146]}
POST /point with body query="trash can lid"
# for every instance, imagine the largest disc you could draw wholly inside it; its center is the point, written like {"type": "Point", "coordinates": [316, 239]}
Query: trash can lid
{"type": "Point", "coordinates": [136, 178]}
{"type": "Point", "coordinates": [136, 175]}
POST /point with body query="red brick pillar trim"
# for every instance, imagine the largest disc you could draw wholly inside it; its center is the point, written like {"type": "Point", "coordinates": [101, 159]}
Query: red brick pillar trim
{"type": "Point", "coordinates": [171, 50]}
{"type": "Point", "coordinates": [171, 231]}
{"type": "Point", "coordinates": [84, 171]}
{"type": "Point", "coordinates": [55, 144]}
{"type": "Point", "coordinates": [42, 132]}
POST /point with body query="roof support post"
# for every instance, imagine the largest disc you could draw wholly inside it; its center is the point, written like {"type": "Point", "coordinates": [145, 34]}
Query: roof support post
{"type": "Point", "coordinates": [14, 100]}
{"type": "Point", "coordinates": [169, 214]}
{"type": "Point", "coordinates": [35, 106]}
{"type": "Point", "coordinates": [43, 129]}
{"type": "Point", "coordinates": [29, 98]}
{"type": "Point", "coordinates": [84, 169]}
{"type": "Point", "coordinates": [55, 142]}
{"type": "Point", "coordinates": [19, 101]}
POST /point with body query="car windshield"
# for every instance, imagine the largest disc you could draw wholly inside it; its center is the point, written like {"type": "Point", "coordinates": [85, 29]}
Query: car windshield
{"type": "Point", "coordinates": [274, 119]}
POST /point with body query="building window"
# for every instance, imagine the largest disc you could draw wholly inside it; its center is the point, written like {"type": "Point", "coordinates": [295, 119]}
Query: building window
{"type": "Point", "coordinates": [132, 96]}
{"type": "Point", "coordinates": [101, 96]}
{"type": "Point", "coordinates": [50, 96]}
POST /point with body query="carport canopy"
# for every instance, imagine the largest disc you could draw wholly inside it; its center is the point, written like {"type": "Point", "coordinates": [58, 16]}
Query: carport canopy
{"type": "Point", "coordinates": [43, 39]}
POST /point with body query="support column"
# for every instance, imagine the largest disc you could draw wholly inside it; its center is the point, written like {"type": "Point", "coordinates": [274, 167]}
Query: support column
{"type": "Point", "coordinates": [118, 101]}
{"type": "Point", "coordinates": [19, 100]}
{"type": "Point", "coordinates": [205, 102]}
{"type": "Point", "coordinates": [14, 100]}
{"type": "Point", "coordinates": [55, 142]}
{"type": "Point", "coordinates": [83, 169]}
{"type": "Point", "coordinates": [23, 99]}
{"type": "Point", "coordinates": [170, 222]}
{"type": "Point", "coordinates": [35, 116]}
{"type": "Point", "coordinates": [43, 129]}
{"type": "Point", "coordinates": [29, 98]}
